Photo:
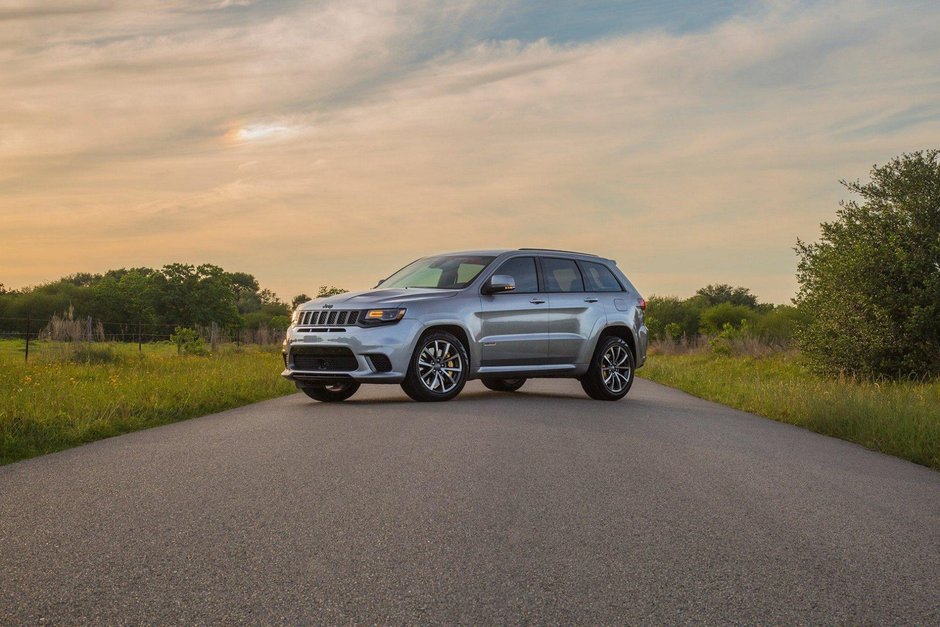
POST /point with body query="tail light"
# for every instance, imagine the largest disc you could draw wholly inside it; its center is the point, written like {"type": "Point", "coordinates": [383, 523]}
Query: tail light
{"type": "Point", "coordinates": [642, 304]}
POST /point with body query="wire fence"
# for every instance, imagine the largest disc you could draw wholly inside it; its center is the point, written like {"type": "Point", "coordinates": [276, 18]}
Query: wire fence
{"type": "Point", "coordinates": [87, 330]}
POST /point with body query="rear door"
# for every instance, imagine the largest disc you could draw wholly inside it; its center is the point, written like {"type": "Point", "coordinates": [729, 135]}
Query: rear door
{"type": "Point", "coordinates": [514, 325]}
{"type": "Point", "coordinates": [573, 314]}
{"type": "Point", "coordinates": [600, 283]}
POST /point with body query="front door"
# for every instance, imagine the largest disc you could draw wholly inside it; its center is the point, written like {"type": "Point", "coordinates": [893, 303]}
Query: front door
{"type": "Point", "coordinates": [514, 326]}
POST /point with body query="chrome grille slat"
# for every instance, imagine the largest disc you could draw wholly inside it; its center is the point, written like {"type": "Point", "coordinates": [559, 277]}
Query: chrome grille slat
{"type": "Point", "coordinates": [328, 317]}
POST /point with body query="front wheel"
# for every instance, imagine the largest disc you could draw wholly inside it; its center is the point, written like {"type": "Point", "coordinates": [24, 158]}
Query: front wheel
{"type": "Point", "coordinates": [331, 393]}
{"type": "Point", "coordinates": [503, 385]}
{"type": "Point", "coordinates": [438, 369]}
{"type": "Point", "coordinates": [611, 373]}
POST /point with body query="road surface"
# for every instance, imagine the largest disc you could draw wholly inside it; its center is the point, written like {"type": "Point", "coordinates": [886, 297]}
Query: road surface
{"type": "Point", "coordinates": [539, 506]}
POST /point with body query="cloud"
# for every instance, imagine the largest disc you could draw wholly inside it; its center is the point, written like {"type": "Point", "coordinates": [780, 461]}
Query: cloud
{"type": "Point", "coordinates": [359, 135]}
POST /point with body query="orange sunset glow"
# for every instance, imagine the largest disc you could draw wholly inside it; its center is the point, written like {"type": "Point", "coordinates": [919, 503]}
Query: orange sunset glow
{"type": "Point", "coordinates": [333, 142]}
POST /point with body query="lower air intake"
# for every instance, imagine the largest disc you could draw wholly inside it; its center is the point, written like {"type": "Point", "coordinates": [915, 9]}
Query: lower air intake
{"type": "Point", "coordinates": [324, 359]}
{"type": "Point", "coordinates": [381, 363]}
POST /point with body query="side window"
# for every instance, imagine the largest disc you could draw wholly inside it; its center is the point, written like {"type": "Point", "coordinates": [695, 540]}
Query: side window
{"type": "Point", "coordinates": [562, 275]}
{"type": "Point", "coordinates": [522, 269]}
{"type": "Point", "coordinates": [599, 278]}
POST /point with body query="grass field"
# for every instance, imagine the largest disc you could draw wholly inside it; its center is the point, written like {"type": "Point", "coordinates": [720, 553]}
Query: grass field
{"type": "Point", "coordinates": [68, 395]}
{"type": "Point", "coordinates": [901, 419]}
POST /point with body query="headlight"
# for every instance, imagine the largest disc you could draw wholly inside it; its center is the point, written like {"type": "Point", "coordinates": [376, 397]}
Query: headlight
{"type": "Point", "coordinates": [295, 317]}
{"type": "Point", "coordinates": [377, 316]}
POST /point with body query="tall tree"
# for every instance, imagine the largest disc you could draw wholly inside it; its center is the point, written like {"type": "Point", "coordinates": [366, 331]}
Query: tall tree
{"type": "Point", "coordinates": [197, 295]}
{"type": "Point", "coordinates": [871, 284]}
{"type": "Point", "coordinates": [718, 294]}
{"type": "Point", "coordinates": [329, 290]}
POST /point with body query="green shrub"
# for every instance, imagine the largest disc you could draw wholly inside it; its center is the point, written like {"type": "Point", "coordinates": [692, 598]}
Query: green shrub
{"type": "Point", "coordinates": [188, 342]}
{"type": "Point", "coordinates": [668, 316]}
{"type": "Point", "coordinates": [721, 343]}
{"type": "Point", "coordinates": [780, 325]}
{"type": "Point", "coordinates": [872, 283]}
{"type": "Point", "coordinates": [716, 319]}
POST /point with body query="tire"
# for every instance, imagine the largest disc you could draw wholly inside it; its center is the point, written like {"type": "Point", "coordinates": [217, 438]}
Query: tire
{"type": "Point", "coordinates": [332, 392]}
{"type": "Point", "coordinates": [438, 369]}
{"type": "Point", "coordinates": [611, 373]}
{"type": "Point", "coordinates": [503, 385]}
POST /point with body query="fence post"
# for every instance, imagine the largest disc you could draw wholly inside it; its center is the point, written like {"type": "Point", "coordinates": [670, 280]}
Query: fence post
{"type": "Point", "coordinates": [214, 336]}
{"type": "Point", "coordinates": [139, 341]}
{"type": "Point", "coordinates": [88, 332]}
{"type": "Point", "coordinates": [26, 360]}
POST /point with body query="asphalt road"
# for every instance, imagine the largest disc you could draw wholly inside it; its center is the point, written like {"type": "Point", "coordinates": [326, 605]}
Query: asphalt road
{"type": "Point", "coordinates": [539, 506]}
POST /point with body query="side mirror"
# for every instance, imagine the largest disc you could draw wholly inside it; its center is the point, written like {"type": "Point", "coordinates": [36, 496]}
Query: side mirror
{"type": "Point", "coordinates": [499, 283]}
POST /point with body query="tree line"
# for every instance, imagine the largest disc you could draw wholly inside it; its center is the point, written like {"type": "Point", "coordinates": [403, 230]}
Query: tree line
{"type": "Point", "coordinates": [177, 294]}
{"type": "Point", "coordinates": [717, 308]}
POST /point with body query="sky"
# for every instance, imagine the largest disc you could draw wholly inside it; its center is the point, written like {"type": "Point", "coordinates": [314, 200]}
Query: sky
{"type": "Point", "coordinates": [332, 142]}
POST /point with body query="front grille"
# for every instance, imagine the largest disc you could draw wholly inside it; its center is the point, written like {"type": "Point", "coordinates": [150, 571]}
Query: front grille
{"type": "Point", "coordinates": [329, 317]}
{"type": "Point", "coordinates": [380, 362]}
{"type": "Point", "coordinates": [324, 359]}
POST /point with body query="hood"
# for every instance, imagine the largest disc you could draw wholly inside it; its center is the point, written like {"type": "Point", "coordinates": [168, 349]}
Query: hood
{"type": "Point", "coordinates": [389, 297]}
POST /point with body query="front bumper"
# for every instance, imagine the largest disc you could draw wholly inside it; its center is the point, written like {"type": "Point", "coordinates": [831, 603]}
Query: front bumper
{"type": "Point", "coordinates": [394, 341]}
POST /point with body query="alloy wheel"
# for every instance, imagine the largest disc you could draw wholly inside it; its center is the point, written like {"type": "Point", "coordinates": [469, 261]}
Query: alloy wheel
{"type": "Point", "coordinates": [616, 368]}
{"type": "Point", "coordinates": [440, 366]}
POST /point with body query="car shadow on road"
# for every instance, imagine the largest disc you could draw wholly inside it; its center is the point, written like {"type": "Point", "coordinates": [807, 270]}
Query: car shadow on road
{"type": "Point", "coordinates": [470, 397]}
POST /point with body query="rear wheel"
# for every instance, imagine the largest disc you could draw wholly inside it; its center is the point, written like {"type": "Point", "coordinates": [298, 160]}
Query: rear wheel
{"type": "Point", "coordinates": [331, 392]}
{"type": "Point", "coordinates": [503, 385]}
{"type": "Point", "coordinates": [611, 373]}
{"type": "Point", "coordinates": [438, 369]}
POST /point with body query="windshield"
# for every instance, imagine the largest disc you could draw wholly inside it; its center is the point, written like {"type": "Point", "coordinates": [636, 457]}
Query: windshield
{"type": "Point", "coordinates": [447, 272]}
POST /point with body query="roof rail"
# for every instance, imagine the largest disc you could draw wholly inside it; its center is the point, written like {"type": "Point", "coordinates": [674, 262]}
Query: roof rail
{"type": "Point", "coordinates": [558, 250]}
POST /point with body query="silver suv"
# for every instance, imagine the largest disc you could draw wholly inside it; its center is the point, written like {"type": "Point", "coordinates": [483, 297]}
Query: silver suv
{"type": "Point", "coordinates": [500, 316]}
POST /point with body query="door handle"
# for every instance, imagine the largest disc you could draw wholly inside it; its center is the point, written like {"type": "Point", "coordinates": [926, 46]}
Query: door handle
{"type": "Point", "coordinates": [590, 299]}
{"type": "Point", "coordinates": [537, 301]}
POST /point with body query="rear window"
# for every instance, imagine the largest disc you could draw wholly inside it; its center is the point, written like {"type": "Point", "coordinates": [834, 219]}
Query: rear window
{"type": "Point", "coordinates": [562, 275]}
{"type": "Point", "coordinates": [599, 278]}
